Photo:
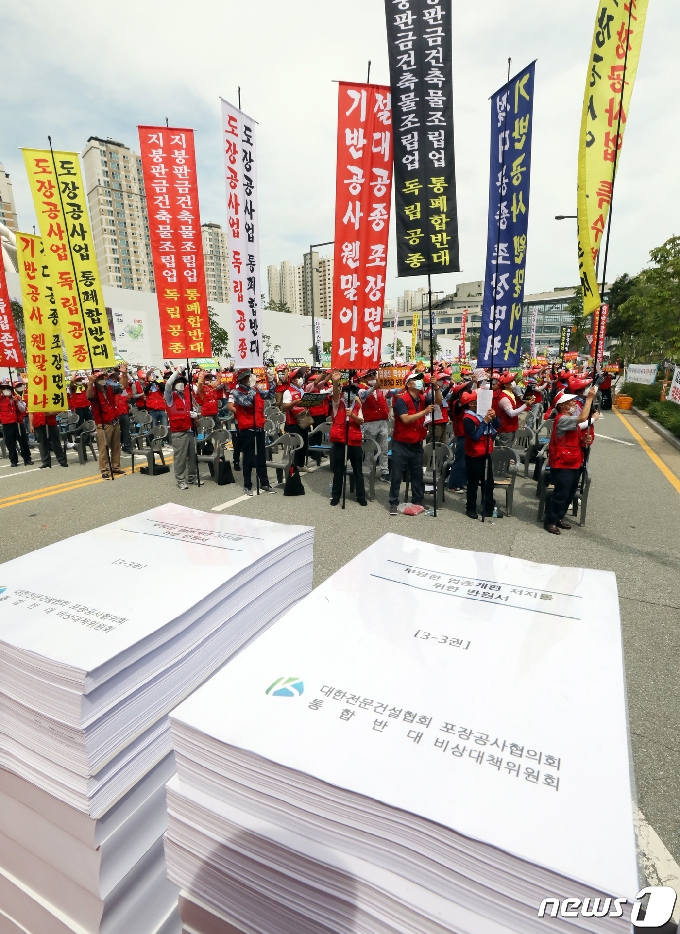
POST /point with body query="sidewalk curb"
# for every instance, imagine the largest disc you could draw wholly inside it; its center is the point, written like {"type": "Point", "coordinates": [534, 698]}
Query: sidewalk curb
{"type": "Point", "coordinates": [659, 429]}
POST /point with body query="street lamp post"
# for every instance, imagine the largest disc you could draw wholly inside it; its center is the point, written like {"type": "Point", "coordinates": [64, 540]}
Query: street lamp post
{"type": "Point", "coordinates": [311, 290]}
{"type": "Point", "coordinates": [564, 217]}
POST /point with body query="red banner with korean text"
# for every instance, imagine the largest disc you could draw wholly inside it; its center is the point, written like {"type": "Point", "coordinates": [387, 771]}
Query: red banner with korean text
{"type": "Point", "coordinates": [462, 353]}
{"type": "Point", "coordinates": [10, 348]}
{"type": "Point", "coordinates": [169, 167]}
{"type": "Point", "coordinates": [599, 331]}
{"type": "Point", "coordinates": [363, 198]}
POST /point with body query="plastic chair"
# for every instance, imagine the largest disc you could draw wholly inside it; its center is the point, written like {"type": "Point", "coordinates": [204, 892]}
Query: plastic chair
{"type": "Point", "coordinates": [219, 438]}
{"type": "Point", "coordinates": [285, 447]}
{"type": "Point", "coordinates": [369, 461]}
{"type": "Point", "coordinates": [204, 426]}
{"type": "Point", "coordinates": [156, 438]}
{"type": "Point", "coordinates": [143, 428]}
{"type": "Point", "coordinates": [88, 433]}
{"type": "Point", "coordinates": [322, 447]}
{"type": "Point", "coordinates": [442, 458]}
{"type": "Point", "coordinates": [505, 463]}
{"type": "Point", "coordinates": [523, 443]}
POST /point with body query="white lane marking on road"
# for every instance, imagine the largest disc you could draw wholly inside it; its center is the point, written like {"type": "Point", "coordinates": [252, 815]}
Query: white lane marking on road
{"type": "Point", "coordinates": [660, 867]}
{"type": "Point", "coordinates": [20, 473]}
{"type": "Point", "coordinates": [231, 502]}
{"type": "Point", "coordinates": [618, 440]}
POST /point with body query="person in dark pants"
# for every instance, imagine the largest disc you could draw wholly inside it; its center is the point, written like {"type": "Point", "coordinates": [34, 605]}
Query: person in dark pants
{"type": "Point", "coordinates": [292, 394]}
{"type": "Point", "coordinates": [44, 426]}
{"type": "Point", "coordinates": [346, 431]}
{"type": "Point", "coordinates": [12, 412]}
{"type": "Point", "coordinates": [568, 440]}
{"type": "Point", "coordinates": [247, 401]}
{"type": "Point", "coordinates": [410, 409]}
{"type": "Point", "coordinates": [458, 476]}
{"type": "Point", "coordinates": [479, 437]}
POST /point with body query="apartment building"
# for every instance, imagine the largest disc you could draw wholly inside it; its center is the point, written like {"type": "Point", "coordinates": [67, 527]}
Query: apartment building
{"type": "Point", "coordinates": [8, 211]}
{"type": "Point", "coordinates": [216, 261]}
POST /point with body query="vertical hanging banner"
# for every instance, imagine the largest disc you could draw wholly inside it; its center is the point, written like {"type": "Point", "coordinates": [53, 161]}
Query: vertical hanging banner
{"type": "Point", "coordinates": [395, 336]}
{"type": "Point", "coordinates": [419, 45]}
{"type": "Point", "coordinates": [10, 348]}
{"type": "Point", "coordinates": [61, 207]}
{"type": "Point", "coordinates": [617, 41]}
{"type": "Point", "coordinates": [45, 359]}
{"type": "Point", "coordinates": [363, 197]}
{"type": "Point", "coordinates": [534, 321]}
{"type": "Point", "coordinates": [506, 245]}
{"type": "Point", "coordinates": [243, 233]}
{"type": "Point", "coordinates": [414, 334]}
{"type": "Point", "coordinates": [170, 180]}
{"type": "Point", "coordinates": [602, 311]}
{"type": "Point", "coordinates": [565, 336]}
{"type": "Point", "coordinates": [318, 338]}
{"type": "Point", "coordinates": [462, 352]}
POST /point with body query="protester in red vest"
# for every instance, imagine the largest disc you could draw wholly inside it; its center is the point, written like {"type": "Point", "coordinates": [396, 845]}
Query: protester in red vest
{"type": "Point", "coordinates": [77, 398]}
{"type": "Point", "coordinates": [206, 395]}
{"type": "Point", "coordinates": [442, 420]}
{"type": "Point", "coordinates": [565, 456]}
{"type": "Point", "coordinates": [506, 408]}
{"type": "Point", "coordinates": [346, 431]}
{"type": "Point", "coordinates": [317, 384]}
{"type": "Point", "coordinates": [480, 432]}
{"type": "Point", "coordinates": [155, 403]}
{"type": "Point", "coordinates": [297, 417]}
{"type": "Point", "coordinates": [376, 415]}
{"type": "Point", "coordinates": [136, 391]}
{"type": "Point", "coordinates": [177, 398]}
{"type": "Point", "coordinates": [457, 481]}
{"type": "Point", "coordinates": [12, 411]}
{"type": "Point", "coordinates": [122, 408]}
{"type": "Point", "coordinates": [102, 395]}
{"type": "Point", "coordinates": [46, 430]}
{"type": "Point", "coordinates": [410, 408]}
{"type": "Point", "coordinates": [247, 403]}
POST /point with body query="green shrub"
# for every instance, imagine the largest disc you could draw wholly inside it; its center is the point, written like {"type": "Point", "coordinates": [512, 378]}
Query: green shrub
{"type": "Point", "coordinates": [666, 414]}
{"type": "Point", "coordinates": [642, 395]}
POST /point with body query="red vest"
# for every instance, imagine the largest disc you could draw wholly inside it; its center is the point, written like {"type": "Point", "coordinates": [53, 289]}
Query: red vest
{"type": "Point", "coordinates": [8, 410]}
{"type": "Point", "coordinates": [122, 403]}
{"type": "Point", "coordinates": [508, 422]}
{"type": "Point", "coordinates": [250, 417]}
{"type": "Point", "coordinates": [445, 413]}
{"type": "Point", "coordinates": [295, 409]}
{"type": "Point", "coordinates": [375, 407]}
{"type": "Point", "coordinates": [44, 418]}
{"type": "Point", "coordinates": [322, 407]}
{"type": "Point", "coordinates": [339, 431]}
{"type": "Point", "coordinates": [136, 387]}
{"type": "Point", "coordinates": [179, 413]}
{"type": "Point", "coordinates": [416, 431]}
{"type": "Point", "coordinates": [154, 398]}
{"type": "Point", "coordinates": [104, 409]}
{"type": "Point", "coordinates": [477, 448]}
{"type": "Point", "coordinates": [78, 400]}
{"type": "Point", "coordinates": [565, 451]}
{"type": "Point", "coordinates": [457, 420]}
{"type": "Point", "coordinates": [209, 404]}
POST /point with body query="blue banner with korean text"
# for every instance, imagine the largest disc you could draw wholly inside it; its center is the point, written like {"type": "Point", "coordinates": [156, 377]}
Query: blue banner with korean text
{"type": "Point", "coordinates": [506, 249]}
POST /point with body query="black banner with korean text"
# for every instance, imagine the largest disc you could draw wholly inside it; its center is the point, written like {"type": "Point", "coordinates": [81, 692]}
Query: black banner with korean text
{"type": "Point", "coordinates": [419, 43]}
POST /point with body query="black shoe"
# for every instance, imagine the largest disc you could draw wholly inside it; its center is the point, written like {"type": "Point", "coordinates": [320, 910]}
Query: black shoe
{"type": "Point", "coordinates": [562, 524]}
{"type": "Point", "coordinates": [362, 502]}
{"type": "Point", "coordinates": [394, 510]}
{"type": "Point", "coordinates": [552, 529]}
{"type": "Point", "coordinates": [237, 466]}
{"type": "Point", "coordinates": [334, 502]}
{"type": "Point", "coordinates": [471, 515]}
{"type": "Point", "coordinates": [42, 466]}
{"type": "Point", "coordinates": [14, 465]}
{"type": "Point", "coordinates": [64, 465]}
{"type": "Point", "coordinates": [28, 463]}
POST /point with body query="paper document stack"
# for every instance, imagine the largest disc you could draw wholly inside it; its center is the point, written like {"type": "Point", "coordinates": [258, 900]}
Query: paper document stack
{"type": "Point", "coordinates": [101, 636]}
{"type": "Point", "coordinates": [434, 741]}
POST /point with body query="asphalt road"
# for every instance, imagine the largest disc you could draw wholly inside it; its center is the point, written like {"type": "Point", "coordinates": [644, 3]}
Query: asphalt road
{"type": "Point", "coordinates": [633, 514]}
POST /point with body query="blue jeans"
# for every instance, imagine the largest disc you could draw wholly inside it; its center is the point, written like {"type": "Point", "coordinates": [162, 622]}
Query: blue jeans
{"type": "Point", "coordinates": [458, 475]}
{"type": "Point", "coordinates": [158, 417]}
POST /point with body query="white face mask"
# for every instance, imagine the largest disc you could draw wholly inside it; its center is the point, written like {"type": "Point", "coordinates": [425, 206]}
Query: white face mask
{"type": "Point", "coordinates": [252, 380]}
{"type": "Point", "coordinates": [418, 383]}
{"type": "Point", "coordinates": [371, 382]}
{"type": "Point", "coordinates": [179, 387]}
{"type": "Point", "coordinates": [7, 392]}
{"type": "Point", "coordinates": [101, 383]}
{"type": "Point", "coordinates": [298, 381]}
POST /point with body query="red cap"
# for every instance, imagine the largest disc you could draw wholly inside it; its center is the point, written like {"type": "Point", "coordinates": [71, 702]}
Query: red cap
{"type": "Point", "coordinates": [576, 383]}
{"type": "Point", "coordinates": [468, 397]}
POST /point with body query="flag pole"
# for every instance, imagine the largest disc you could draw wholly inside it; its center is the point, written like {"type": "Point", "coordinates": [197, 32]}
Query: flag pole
{"type": "Point", "coordinates": [195, 434]}
{"type": "Point", "coordinates": [488, 471]}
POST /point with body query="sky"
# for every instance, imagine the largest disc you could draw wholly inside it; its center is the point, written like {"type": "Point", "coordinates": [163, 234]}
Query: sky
{"type": "Point", "coordinates": [74, 70]}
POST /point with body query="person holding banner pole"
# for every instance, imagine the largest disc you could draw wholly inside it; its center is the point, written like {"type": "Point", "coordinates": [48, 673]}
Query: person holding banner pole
{"type": "Point", "coordinates": [376, 420]}
{"type": "Point", "coordinates": [410, 411]}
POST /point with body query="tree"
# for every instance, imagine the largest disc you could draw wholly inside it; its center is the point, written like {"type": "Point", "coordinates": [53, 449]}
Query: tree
{"type": "Point", "coordinates": [279, 306]}
{"type": "Point", "coordinates": [327, 345]}
{"type": "Point", "coordinates": [400, 347]}
{"type": "Point", "coordinates": [580, 324]}
{"type": "Point", "coordinates": [18, 315]}
{"type": "Point", "coordinates": [474, 344]}
{"type": "Point", "coordinates": [267, 346]}
{"type": "Point", "coordinates": [619, 293]}
{"type": "Point", "coordinates": [647, 321]}
{"type": "Point", "coordinates": [218, 336]}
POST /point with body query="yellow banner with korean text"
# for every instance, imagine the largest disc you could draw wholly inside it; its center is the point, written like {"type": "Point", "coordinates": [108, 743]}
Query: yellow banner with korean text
{"type": "Point", "coordinates": [61, 207]}
{"type": "Point", "coordinates": [44, 356]}
{"type": "Point", "coordinates": [414, 333]}
{"type": "Point", "coordinates": [612, 67]}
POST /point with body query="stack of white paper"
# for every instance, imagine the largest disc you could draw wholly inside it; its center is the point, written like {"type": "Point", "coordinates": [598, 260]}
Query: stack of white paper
{"type": "Point", "coordinates": [100, 637]}
{"type": "Point", "coordinates": [435, 741]}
